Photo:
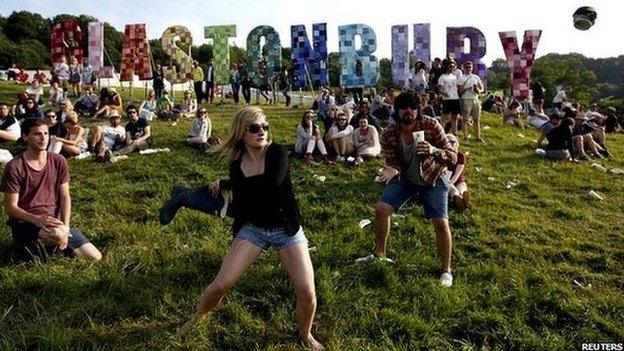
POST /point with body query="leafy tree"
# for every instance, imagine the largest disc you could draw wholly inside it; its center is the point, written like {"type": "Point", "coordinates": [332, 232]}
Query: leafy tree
{"type": "Point", "coordinates": [334, 69]}
{"type": "Point", "coordinates": [26, 25]}
{"type": "Point", "coordinates": [498, 76]}
{"type": "Point", "coordinates": [8, 49]}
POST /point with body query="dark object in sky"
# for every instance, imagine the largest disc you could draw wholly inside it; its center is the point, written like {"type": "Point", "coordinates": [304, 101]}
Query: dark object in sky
{"type": "Point", "coordinates": [584, 17]}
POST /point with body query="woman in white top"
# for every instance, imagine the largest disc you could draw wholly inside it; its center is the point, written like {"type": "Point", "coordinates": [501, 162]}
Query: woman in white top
{"type": "Point", "coordinates": [200, 131]}
{"type": "Point", "coordinates": [366, 141]}
{"type": "Point", "coordinates": [148, 106]}
{"type": "Point", "coordinates": [189, 104]}
{"type": "Point", "coordinates": [340, 136]}
{"type": "Point", "coordinates": [309, 138]}
{"type": "Point", "coordinates": [61, 69]}
{"type": "Point", "coordinates": [74, 142]}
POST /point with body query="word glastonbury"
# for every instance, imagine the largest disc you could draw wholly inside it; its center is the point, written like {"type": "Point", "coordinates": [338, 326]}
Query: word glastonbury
{"type": "Point", "coordinates": [359, 67]}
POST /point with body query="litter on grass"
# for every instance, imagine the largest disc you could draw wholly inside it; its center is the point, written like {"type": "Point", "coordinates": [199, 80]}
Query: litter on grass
{"type": "Point", "coordinates": [363, 223]}
{"type": "Point", "coordinates": [598, 167]}
{"type": "Point", "coordinates": [594, 195]}
{"type": "Point", "coordinates": [320, 178]}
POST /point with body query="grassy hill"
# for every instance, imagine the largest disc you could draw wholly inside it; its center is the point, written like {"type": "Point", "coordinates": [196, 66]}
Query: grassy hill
{"type": "Point", "coordinates": [516, 257]}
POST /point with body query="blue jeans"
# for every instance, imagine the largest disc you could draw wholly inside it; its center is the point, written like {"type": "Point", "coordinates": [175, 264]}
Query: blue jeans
{"type": "Point", "coordinates": [433, 198]}
{"type": "Point", "coordinates": [265, 238]}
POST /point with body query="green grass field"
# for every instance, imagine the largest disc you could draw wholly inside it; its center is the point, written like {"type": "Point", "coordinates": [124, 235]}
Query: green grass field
{"type": "Point", "coordinates": [516, 256]}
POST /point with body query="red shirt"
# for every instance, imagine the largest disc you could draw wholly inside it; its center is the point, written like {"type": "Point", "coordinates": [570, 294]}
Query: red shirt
{"type": "Point", "coordinates": [39, 191]}
{"type": "Point", "coordinates": [461, 160]}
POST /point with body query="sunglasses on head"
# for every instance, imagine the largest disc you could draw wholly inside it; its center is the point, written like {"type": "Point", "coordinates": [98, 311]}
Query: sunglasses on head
{"type": "Point", "coordinates": [255, 128]}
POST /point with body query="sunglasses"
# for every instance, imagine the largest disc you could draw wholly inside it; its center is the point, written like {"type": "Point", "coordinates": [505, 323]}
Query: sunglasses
{"type": "Point", "coordinates": [132, 112]}
{"type": "Point", "coordinates": [50, 116]}
{"type": "Point", "coordinates": [255, 128]}
{"type": "Point", "coordinates": [202, 112]}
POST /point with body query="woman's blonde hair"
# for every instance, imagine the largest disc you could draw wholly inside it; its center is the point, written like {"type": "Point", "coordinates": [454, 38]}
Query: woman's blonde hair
{"type": "Point", "coordinates": [233, 147]}
{"type": "Point", "coordinates": [71, 117]}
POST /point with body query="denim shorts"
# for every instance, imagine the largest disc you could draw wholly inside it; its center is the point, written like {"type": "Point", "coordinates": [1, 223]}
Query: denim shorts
{"type": "Point", "coordinates": [265, 238]}
{"type": "Point", "coordinates": [433, 198]}
{"type": "Point", "coordinates": [25, 235]}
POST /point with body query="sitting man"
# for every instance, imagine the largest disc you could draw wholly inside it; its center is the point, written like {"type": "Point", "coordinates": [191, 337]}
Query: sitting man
{"type": "Point", "coordinates": [37, 200]}
{"type": "Point", "coordinates": [87, 103]}
{"type": "Point", "coordinates": [104, 140]}
{"type": "Point", "coordinates": [137, 132]}
{"type": "Point", "coordinates": [9, 126]}
{"type": "Point", "coordinates": [417, 154]}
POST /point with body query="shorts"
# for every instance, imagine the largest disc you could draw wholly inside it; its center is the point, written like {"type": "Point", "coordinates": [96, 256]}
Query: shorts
{"type": "Point", "coordinates": [25, 235]}
{"type": "Point", "coordinates": [433, 198]}
{"type": "Point", "coordinates": [450, 107]}
{"type": "Point", "coordinates": [471, 108]}
{"type": "Point", "coordinates": [558, 154]}
{"type": "Point", "coordinates": [265, 238]}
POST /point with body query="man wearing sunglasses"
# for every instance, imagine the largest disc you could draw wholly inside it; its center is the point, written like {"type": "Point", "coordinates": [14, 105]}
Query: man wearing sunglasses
{"type": "Point", "coordinates": [417, 154]}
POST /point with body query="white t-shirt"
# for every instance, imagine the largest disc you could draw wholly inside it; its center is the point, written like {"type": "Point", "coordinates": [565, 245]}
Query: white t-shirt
{"type": "Point", "coordinates": [469, 81]}
{"type": "Point", "coordinates": [560, 97]}
{"type": "Point", "coordinates": [14, 129]}
{"type": "Point", "coordinates": [448, 82]}
{"type": "Point", "coordinates": [112, 135]}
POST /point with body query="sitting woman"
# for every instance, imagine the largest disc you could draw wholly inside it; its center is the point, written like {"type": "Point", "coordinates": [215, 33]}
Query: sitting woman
{"type": "Point", "coordinates": [366, 141]}
{"type": "Point", "coordinates": [259, 174]}
{"type": "Point", "coordinates": [188, 105]}
{"type": "Point", "coordinates": [458, 188]}
{"type": "Point", "coordinates": [559, 135]}
{"type": "Point", "coordinates": [73, 143]}
{"type": "Point", "coordinates": [309, 138]}
{"type": "Point", "coordinates": [164, 106]}
{"type": "Point", "coordinates": [512, 115]}
{"type": "Point", "coordinates": [200, 131]}
{"type": "Point", "coordinates": [56, 94]}
{"type": "Point", "coordinates": [109, 104]}
{"type": "Point", "coordinates": [148, 106]}
{"type": "Point", "coordinates": [340, 136]}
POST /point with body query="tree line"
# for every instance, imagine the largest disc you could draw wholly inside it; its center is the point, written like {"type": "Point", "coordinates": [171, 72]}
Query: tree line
{"type": "Point", "coordinates": [25, 41]}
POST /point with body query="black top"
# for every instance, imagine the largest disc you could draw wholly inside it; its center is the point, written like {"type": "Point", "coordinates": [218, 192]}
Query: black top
{"type": "Point", "coordinates": [137, 129]}
{"type": "Point", "coordinates": [265, 200]}
{"type": "Point", "coordinates": [560, 138]}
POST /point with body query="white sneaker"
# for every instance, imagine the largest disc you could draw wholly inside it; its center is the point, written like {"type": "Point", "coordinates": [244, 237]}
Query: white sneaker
{"type": "Point", "coordinates": [340, 159]}
{"type": "Point", "coordinates": [446, 279]}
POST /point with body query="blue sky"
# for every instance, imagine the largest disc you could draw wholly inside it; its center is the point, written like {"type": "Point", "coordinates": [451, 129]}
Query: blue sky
{"type": "Point", "coordinates": [554, 18]}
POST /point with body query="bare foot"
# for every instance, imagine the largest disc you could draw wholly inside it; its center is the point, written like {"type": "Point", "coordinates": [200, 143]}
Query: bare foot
{"type": "Point", "coordinates": [311, 343]}
{"type": "Point", "coordinates": [187, 327]}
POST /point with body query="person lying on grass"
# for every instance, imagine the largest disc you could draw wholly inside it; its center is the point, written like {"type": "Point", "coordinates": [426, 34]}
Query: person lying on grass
{"type": "Point", "coordinates": [37, 200]}
{"type": "Point", "coordinates": [259, 171]}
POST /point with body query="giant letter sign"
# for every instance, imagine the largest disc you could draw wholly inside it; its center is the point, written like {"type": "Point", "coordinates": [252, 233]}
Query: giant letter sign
{"type": "Point", "coordinates": [305, 59]}
{"type": "Point", "coordinates": [400, 57]}
{"type": "Point", "coordinates": [135, 54]}
{"type": "Point", "coordinates": [96, 51]}
{"type": "Point", "coordinates": [179, 57]}
{"type": "Point", "coordinates": [66, 40]}
{"type": "Point", "coordinates": [422, 43]}
{"type": "Point", "coordinates": [520, 63]}
{"type": "Point", "coordinates": [271, 53]}
{"type": "Point", "coordinates": [357, 67]}
{"type": "Point", "coordinates": [455, 47]}
{"type": "Point", "coordinates": [220, 51]}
